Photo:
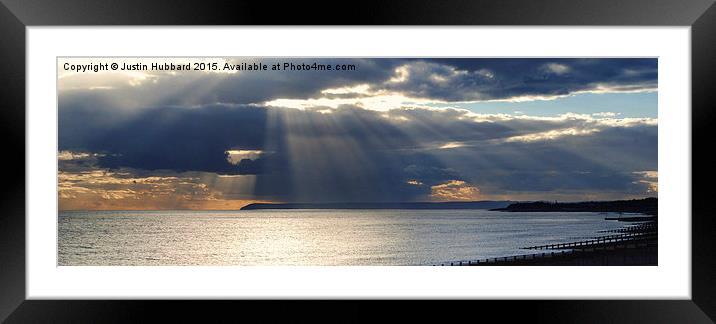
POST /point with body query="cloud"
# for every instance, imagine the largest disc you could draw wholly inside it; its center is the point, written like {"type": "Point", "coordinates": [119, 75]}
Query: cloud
{"type": "Point", "coordinates": [520, 79]}
{"type": "Point", "coordinates": [551, 134]}
{"type": "Point", "coordinates": [455, 190]}
{"type": "Point", "coordinates": [84, 185]}
{"type": "Point", "coordinates": [69, 155]}
{"type": "Point", "coordinates": [372, 82]}
{"type": "Point", "coordinates": [650, 179]}
{"type": "Point", "coordinates": [236, 156]}
{"type": "Point", "coordinates": [134, 90]}
{"type": "Point", "coordinates": [605, 114]}
{"type": "Point", "coordinates": [369, 135]}
{"type": "Point", "coordinates": [556, 68]}
{"type": "Point", "coordinates": [353, 154]}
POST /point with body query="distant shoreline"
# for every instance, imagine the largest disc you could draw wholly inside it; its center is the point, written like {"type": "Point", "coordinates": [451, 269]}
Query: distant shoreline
{"type": "Point", "coordinates": [648, 206]}
{"type": "Point", "coordinates": [487, 204]}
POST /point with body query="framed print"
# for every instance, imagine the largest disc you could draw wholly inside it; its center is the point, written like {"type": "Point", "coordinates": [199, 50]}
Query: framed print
{"type": "Point", "coordinates": [491, 154]}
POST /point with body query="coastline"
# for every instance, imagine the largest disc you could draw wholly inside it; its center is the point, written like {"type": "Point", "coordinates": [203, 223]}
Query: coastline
{"type": "Point", "coordinates": [637, 245]}
{"type": "Point", "coordinates": [646, 206]}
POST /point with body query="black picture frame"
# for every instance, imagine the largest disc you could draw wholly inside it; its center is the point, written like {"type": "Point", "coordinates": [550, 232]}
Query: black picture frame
{"type": "Point", "coordinates": [15, 15]}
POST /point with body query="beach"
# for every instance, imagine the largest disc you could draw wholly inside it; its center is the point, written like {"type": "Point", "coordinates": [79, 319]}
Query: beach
{"type": "Point", "coordinates": [635, 245]}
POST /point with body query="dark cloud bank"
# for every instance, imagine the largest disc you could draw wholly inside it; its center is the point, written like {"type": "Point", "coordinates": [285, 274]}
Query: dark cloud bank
{"type": "Point", "coordinates": [354, 154]}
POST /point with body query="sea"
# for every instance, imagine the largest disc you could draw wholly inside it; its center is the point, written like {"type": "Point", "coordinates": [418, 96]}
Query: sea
{"type": "Point", "coordinates": [312, 237]}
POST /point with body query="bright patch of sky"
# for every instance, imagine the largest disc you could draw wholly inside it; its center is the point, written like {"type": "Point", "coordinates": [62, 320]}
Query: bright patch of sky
{"type": "Point", "coordinates": [643, 104]}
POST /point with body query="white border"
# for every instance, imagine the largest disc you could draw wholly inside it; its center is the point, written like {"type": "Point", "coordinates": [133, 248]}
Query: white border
{"type": "Point", "coordinates": [670, 279]}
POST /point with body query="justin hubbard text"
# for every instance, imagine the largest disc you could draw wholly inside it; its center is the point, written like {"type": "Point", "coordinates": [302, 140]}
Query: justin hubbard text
{"type": "Point", "coordinates": [155, 67]}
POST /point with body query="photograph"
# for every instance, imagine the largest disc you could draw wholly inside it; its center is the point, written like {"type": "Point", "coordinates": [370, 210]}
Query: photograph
{"type": "Point", "coordinates": [242, 159]}
{"type": "Point", "coordinates": [357, 161]}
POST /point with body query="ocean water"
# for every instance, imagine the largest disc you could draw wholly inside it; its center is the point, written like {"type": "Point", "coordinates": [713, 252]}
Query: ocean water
{"type": "Point", "coordinates": [311, 237]}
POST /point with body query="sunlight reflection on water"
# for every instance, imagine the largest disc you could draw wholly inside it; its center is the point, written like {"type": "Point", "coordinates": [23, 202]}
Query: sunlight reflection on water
{"type": "Point", "coordinates": [311, 237]}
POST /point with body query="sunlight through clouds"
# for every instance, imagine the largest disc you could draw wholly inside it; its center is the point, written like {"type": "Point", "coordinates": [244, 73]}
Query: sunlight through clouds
{"type": "Point", "coordinates": [455, 190]}
{"type": "Point", "coordinates": [391, 130]}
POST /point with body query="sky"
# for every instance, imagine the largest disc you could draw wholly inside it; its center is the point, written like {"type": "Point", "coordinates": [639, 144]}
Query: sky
{"type": "Point", "coordinates": [390, 130]}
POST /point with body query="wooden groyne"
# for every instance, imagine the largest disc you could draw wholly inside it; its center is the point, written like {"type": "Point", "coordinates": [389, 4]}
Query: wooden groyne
{"type": "Point", "coordinates": [640, 228]}
{"type": "Point", "coordinates": [513, 258]}
{"type": "Point", "coordinates": [611, 239]}
{"type": "Point", "coordinates": [641, 252]}
{"type": "Point", "coordinates": [635, 245]}
{"type": "Point", "coordinates": [631, 219]}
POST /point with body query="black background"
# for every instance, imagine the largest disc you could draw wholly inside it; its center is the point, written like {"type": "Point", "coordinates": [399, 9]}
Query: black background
{"type": "Point", "coordinates": [16, 14]}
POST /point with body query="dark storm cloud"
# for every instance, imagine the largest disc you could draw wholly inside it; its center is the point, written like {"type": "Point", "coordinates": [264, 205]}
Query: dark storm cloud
{"type": "Point", "coordinates": [499, 79]}
{"type": "Point", "coordinates": [353, 154]}
{"type": "Point", "coordinates": [256, 87]}
{"type": "Point", "coordinates": [180, 139]}
{"type": "Point", "coordinates": [190, 89]}
{"type": "Point", "coordinates": [605, 160]}
{"type": "Point", "coordinates": [187, 122]}
{"type": "Point", "coordinates": [436, 79]}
